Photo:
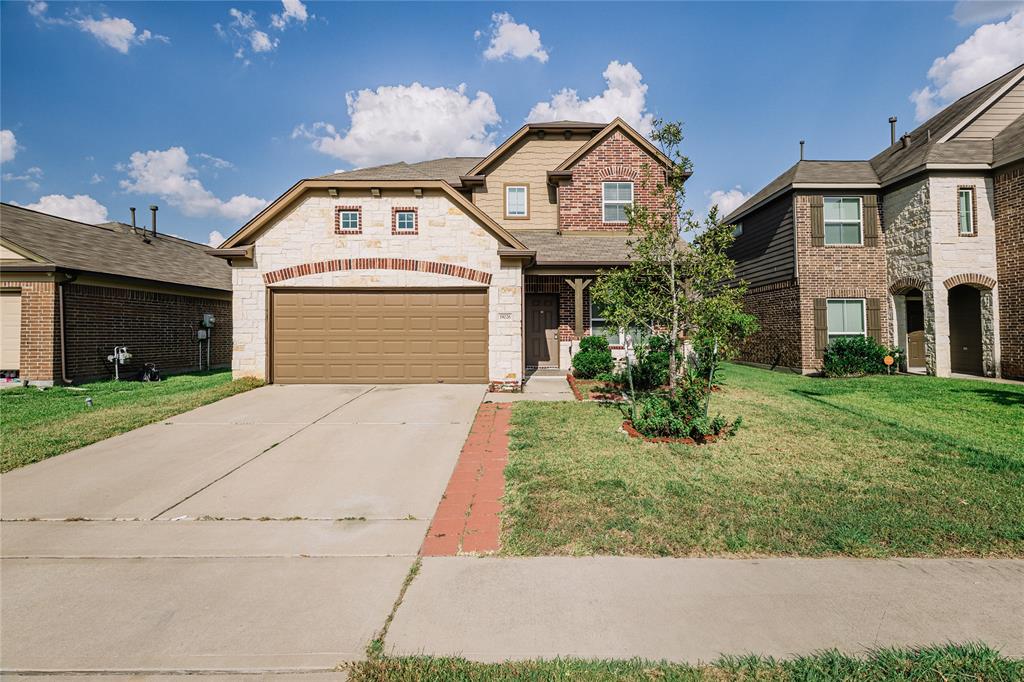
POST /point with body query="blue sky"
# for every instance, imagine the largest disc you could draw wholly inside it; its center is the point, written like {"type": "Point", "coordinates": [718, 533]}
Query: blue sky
{"type": "Point", "coordinates": [211, 109]}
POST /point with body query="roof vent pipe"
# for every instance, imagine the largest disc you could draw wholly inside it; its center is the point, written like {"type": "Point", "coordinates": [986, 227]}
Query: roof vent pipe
{"type": "Point", "coordinates": [154, 208]}
{"type": "Point", "coordinates": [906, 140]}
{"type": "Point", "coordinates": [132, 209]}
{"type": "Point", "coordinates": [801, 150]}
{"type": "Point", "coordinates": [892, 130]}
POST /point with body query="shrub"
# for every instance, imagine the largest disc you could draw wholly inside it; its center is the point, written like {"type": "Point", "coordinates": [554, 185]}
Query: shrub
{"type": "Point", "coordinates": [850, 356]}
{"type": "Point", "coordinates": [593, 358]}
{"type": "Point", "coordinates": [678, 414]}
{"type": "Point", "coordinates": [651, 367]}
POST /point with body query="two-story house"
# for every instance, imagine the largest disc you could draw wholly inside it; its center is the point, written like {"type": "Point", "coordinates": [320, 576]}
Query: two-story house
{"type": "Point", "coordinates": [471, 270]}
{"type": "Point", "coordinates": [921, 247]}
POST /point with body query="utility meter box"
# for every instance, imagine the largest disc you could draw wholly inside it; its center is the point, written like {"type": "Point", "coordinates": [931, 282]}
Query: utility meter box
{"type": "Point", "coordinates": [208, 320]}
{"type": "Point", "coordinates": [202, 334]}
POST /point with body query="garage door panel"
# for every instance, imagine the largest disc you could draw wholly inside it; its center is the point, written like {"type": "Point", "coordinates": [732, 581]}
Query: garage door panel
{"type": "Point", "coordinates": [394, 336]}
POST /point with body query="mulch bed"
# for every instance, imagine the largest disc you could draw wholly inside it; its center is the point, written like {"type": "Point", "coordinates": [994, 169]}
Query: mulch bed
{"type": "Point", "coordinates": [598, 397]}
{"type": "Point", "coordinates": [627, 426]}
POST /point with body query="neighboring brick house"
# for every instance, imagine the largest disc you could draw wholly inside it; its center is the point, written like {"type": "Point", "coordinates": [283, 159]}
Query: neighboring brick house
{"type": "Point", "coordinates": [472, 270]}
{"type": "Point", "coordinates": [70, 292]}
{"type": "Point", "coordinates": [919, 247]}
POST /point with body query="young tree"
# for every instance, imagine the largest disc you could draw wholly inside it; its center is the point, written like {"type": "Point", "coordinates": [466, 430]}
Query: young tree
{"type": "Point", "coordinates": [670, 285]}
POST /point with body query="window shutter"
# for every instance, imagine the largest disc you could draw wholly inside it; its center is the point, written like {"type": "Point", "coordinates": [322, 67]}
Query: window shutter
{"type": "Point", "coordinates": [870, 220]}
{"type": "Point", "coordinates": [820, 326]}
{"type": "Point", "coordinates": [875, 319]}
{"type": "Point", "coordinates": [817, 205]}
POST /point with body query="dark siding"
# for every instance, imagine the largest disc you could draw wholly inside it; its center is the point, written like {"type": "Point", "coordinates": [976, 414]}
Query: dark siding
{"type": "Point", "coordinates": [764, 253]}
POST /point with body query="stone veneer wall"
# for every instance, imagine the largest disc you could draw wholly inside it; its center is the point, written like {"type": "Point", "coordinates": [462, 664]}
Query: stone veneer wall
{"type": "Point", "coordinates": [953, 255]}
{"type": "Point", "coordinates": [777, 342]}
{"type": "Point", "coordinates": [305, 234]}
{"type": "Point", "coordinates": [835, 272]}
{"type": "Point", "coordinates": [616, 158]}
{"type": "Point", "coordinates": [906, 213]}
{"type": "Point", "coordinates": [1009, 239]}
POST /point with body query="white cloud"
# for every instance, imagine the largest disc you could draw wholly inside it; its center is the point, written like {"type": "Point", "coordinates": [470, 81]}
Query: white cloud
{"type": "Point", "coordinates": [118, 33]}
{"type": "Point", "coordinates": [115, 32]}
{"type": "Point", "coordinates": [727, 200]}
{"type": "Point", "coordinates": [408, 123]}
{"type": "Point", "coordinates": [95, 179]}
{"type": "Point", "coordinates": [992, 50]}
{"type": "Point", "coordinates": [215, 161]}
{"type": "Point", "coordinates": [625, 96]}
{"type": "Point", "coordinates": [261, 42]}
{"type": "Point", "coordinates": [967, 12]}
{"type": "Point", "coordinates": [509, 39]}
{"type": "Point", "coordinates": [294, 10]}
{"type": "Point", "coordinates": [243, 19]}
{"type": "Point", "coordinates": [8, 146]}
{"type": "Point", "coordinates": [30, 177]}
{"type": "Point", "coordinates": [168, 174]}
{"type": "Point", "coordinates": [215, 239]}
{"type": "Point", "coordinates": [80, 207]}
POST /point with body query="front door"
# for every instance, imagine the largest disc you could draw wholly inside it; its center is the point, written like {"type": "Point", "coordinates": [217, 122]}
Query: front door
{"type": "Point", "coordinates": [915, 333]}
{"type": "Point", "coordinates": [542, 330]}
{"type": "Point", "coordinates": [965, 329]}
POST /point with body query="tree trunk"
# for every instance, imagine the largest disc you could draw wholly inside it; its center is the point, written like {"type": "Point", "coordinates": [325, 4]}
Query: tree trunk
{"type": "Point", "coordinates": [673, 371]}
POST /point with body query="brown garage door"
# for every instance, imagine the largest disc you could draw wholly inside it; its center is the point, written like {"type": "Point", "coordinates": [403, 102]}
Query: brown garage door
{"type": "Point", "coordinates": [393, 336]}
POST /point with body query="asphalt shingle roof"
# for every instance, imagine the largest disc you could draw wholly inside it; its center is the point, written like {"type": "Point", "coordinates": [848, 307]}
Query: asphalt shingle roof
{"type": "Point", "coordinates": [447, 169]}
{"type": "Point", "coordinates": [113, 249]}
{"type": "Point", "coordinates": [582, 247]}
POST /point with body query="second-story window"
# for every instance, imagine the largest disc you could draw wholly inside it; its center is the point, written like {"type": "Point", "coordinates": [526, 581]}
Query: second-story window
{"type": "Point", "coordinates": [405, 221]}
{"type": "Point", "coordinates": [617, 196]}
{"type": "Point", "coordinates": [842, 220]}
{"type": "Point", "coordinates": [965, 210]}
{"type": "Point", "coordinates": [516, 205]}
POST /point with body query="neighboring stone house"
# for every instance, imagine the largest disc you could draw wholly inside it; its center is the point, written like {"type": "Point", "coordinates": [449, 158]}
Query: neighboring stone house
{"type": "Point", "coordinates": [70, 292]}
{"type": "Point", "coordinates": [920, 247]}
{"type": "Point", "coordinates": [472, 270]}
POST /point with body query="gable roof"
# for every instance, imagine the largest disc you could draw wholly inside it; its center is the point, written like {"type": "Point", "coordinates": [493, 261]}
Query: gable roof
{"type": "Point", "coordinates": [930, 142]}
{"type": "Point", "coordinates": [628, 131]}
{"type": "Point", "coordinates": [835, 174]}
{"type": "Point", "coordinates": [931, 145]}
{"type": "Point", "coordinates": [448, 169]}
{"type": "Point", "coordinates": [576, 126]}
{"type": "Point", "coordinates": [112, 249]}
{"type": "Point", "coordinates": [248, 232]}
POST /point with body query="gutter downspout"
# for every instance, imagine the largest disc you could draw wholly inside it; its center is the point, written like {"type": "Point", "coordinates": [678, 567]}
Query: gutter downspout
{"type": "Point", "coordinates": [63, 362]}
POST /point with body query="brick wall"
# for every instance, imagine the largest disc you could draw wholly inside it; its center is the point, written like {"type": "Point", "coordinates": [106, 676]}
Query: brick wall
{"type": "Point", "coordinates": [39, 333]}
{"type": "Point", "coordinates": [156, 327]}
{"type": "Point", "coordinates": [617, 158]}
{"type": "Point", "coordinates": [556, 284]}
{"type": "Point", "coordinates": [777, 343]}
{"type": "Point", "coordinates": [1009, 219]}
{"type": "Point", "coordinates": [836, 272]}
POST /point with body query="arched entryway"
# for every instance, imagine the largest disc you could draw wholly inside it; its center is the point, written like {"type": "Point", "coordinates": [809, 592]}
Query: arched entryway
{"type": "Point", "coordinates": [917, 358]}
{"type": "Point", "coordinates": [965, 338]}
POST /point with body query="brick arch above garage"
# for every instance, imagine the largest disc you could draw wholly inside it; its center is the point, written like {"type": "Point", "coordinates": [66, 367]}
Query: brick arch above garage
{"type": "Point", "coordinates": [403, 264]}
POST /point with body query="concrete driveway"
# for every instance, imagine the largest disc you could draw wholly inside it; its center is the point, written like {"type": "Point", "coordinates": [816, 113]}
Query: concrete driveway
{"type": "Point", "coordinates": [270, 531]}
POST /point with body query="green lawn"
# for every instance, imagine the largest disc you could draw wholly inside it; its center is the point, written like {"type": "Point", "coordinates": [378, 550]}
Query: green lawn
{"type": "Point", "coordinates": [967, 663]}
{"type": "Point", "coordinates": [38, 424]}
{"type": "Point", "coordinates": [876, 466]}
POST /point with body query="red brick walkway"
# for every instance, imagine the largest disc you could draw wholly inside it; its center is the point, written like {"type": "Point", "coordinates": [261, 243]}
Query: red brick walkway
{"type": "Point", "coordinates": [467, 520]}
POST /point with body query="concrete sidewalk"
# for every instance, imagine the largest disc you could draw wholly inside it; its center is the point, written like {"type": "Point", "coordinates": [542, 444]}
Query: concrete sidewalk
{"type": "Point", "coordinates": [544, 387]}
{"type": "Point", "coordinates": [694, 610]}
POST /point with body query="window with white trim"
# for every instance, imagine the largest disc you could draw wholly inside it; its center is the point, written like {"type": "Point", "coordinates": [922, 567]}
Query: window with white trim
{"type": "Point", "coordinates": [516, 201]}
{"type": "Point", "coordinates": [965, 210]}
{"type": "Point", "coordinates": [349, 220]}
{"type": "Point", "coordinates": [843, 223]}
{"type": "Point", "coordinates": [405, 221]}
{"type": "Point", "coordinates": [599, 326]}
{"type": "Point", "coordinates": [846, 317]}
{"type": "Point", "coordinates": [737, 230]}
{"type": "Point", "coordinates": [616, 197]}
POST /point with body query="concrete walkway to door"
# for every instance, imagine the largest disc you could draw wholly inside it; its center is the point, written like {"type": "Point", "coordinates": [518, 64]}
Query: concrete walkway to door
{"type": "Point", "coordinates": [270, 531]}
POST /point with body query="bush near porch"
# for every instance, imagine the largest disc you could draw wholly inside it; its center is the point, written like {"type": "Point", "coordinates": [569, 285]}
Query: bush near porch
{"type": "Point", "coordinates": [873, 466]}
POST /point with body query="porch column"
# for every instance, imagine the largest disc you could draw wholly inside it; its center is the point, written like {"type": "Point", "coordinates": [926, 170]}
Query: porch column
{"type": "Point", "coordinates": [578, 284]}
